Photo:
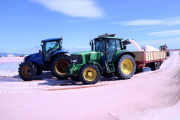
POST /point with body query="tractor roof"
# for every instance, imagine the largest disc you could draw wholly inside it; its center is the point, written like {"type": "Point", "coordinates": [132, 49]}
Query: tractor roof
{"type": "Point", "coordinates": [111, 36]}
{"type": "Point", "coordinates": [51, 39]}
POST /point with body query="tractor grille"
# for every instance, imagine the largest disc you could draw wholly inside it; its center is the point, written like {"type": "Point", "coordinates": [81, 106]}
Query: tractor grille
{"type": "Point", "coordinates": [78, 59]}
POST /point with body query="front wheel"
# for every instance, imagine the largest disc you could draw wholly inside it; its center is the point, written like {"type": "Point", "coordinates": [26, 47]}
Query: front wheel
{"type": "Point", "coordinates": [125, 67]}
{"type": "Point", "coordinates": [89, 74]}
{"type": "Point", "coordinates": [27, 71]}
{"type": "Point", "coordinates": [58, 64]}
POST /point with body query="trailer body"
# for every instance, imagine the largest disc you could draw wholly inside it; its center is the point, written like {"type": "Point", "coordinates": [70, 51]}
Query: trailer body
{"type": "Point", "coordinates": [149, 58]}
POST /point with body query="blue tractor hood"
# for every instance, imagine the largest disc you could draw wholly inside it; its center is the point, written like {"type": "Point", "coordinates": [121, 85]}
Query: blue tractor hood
{"type": "Point", "coordinates": [36, 58]}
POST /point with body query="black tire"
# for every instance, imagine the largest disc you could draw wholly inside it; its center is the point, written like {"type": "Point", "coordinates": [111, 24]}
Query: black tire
{"type": "Point", "coordinates": [27, 71]}
{"type": "Point", "coordinates": [58, 64]}
{"type": "Point", "coordinates": [154, 66]}
{"type": "Point", "coordinates": [89, 74]}
{"type": "Point", "coordinates": [168, 53]}
{"type": "Point", "coordinates": [158, 63]}
{"type": "Point", "coordinates": [74, 77]}
{"type": "Point", "coordinates": [129, 68]}
{"type": "Point", "coordinates": [107, 75]}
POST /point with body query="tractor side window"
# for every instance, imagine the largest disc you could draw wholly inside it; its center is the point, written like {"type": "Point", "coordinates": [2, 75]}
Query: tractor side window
{"type": "Point", "coordinates": [118, 44]}
{"type": "Point", "coordinates": [100, 45]}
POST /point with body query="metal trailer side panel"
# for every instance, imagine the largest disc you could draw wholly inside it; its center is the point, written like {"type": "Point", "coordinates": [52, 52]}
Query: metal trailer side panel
{"type": "Point", "coordinates": [139, 56]}
{"type": "Point", "coordinates": [143, 58]}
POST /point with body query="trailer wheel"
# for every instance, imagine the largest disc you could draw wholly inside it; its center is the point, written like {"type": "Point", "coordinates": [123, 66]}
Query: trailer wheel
{"type": "Point", "coordinates": [158, 64]}
{"type": "Point", "coordinates": [27, 71]}
{"type": "Point", "coordinates": [58, 64]}
{"type": "Point", "coordinates": [89, 74]}
{"type": "Point", "coordinates": [125, 67]}
{"type": "Point", "coordinates": [154, 66]}
{"type": "Point", "coordinates": [74, 77]}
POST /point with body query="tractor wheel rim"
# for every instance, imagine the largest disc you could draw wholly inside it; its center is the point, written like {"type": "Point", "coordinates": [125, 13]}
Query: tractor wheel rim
{"type": "Point", "coordinates": [60, 66]}
{"type": "Point", "coordinates": [90, 74]}
{"type": "Point", "coordinates": [26, 71]}
{"type": "Point", "coordinates": [127, 66]}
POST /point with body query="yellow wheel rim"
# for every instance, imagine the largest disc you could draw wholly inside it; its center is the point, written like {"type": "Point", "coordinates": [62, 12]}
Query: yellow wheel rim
{"type": "Point", "coordinates": [25, 70]}
{"type": "Point", "coordinates": [60, 66]}
{"type": "Point", "coordinates": [127, 66]}
{"type": "Point", "coordinates": [90, 74]}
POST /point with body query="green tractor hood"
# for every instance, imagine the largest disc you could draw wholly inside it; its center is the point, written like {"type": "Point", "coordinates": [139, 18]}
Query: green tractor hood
{"type": "Point", "coordinates": [86, 56]}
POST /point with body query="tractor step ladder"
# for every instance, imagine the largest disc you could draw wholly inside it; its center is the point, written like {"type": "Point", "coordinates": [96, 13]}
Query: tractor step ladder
{"type": "Point", "coordinates": [111, 67]}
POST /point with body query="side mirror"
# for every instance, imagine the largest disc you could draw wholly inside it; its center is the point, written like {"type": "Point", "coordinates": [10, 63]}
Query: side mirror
{"type": "Point", "coordinates": [90, 43]}
{"type": "Point", "coordinates": [39, 52]}
{"type": "Point", "coordinates": [124, 48]}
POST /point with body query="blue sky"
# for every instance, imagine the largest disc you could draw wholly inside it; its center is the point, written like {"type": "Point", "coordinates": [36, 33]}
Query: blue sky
{"type": "Point", "coordinates": [24, 23]}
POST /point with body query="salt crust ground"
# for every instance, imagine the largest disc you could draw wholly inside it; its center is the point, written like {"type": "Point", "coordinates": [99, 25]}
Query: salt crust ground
{"type": "Point", "coordinates": [152, 95]}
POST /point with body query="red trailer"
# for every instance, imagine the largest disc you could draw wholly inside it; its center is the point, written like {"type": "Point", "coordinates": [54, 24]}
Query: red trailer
{"type": "Point", "coordinates": [151, 59]}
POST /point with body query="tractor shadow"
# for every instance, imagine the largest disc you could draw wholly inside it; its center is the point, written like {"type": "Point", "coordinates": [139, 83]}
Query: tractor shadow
{"type": "Point", "coordinates": [46, 78]}
{"type": "Point", "coordinates": [53, 81]}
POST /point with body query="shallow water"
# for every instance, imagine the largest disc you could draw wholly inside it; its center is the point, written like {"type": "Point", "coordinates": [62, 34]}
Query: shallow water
{"type": "Point", "coordinates": [11, 80]}
{"type": "Point", "coordinates": [9, 66]}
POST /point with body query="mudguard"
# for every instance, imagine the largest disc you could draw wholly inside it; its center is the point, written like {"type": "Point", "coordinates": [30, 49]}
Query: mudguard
{"type": "Point", "coordinates": [60, 51]}
{"type": "Point", "coordinates": [121, 53]}
{"type": "Point", "coordinates": [95, 63]}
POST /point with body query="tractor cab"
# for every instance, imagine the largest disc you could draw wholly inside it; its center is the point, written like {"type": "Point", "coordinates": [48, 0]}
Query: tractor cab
{"type": "Point", "coordinates": [108, 44]}
{"type": "Point", "coordinates": [50, 46]}
{"type": "Point", "coordinates": [164, 48]}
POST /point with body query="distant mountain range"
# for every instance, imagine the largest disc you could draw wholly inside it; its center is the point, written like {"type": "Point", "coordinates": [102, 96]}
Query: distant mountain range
{"type": "Point", "coordinates": [15, 54]}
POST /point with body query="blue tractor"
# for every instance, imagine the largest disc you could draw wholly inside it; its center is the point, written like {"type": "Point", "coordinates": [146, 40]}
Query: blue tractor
{"type": "Point", "coordinates": [52, 58]}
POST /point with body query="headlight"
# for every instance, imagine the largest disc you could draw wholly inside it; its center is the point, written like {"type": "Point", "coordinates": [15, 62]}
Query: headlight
{"type": "Point", "coordinates": [67, 54]}
{"type": "Point", "coordinates": [74, 61]}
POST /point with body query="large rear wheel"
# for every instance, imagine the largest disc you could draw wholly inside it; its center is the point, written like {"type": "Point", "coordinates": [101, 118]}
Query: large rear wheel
{"type": "Point", "coordinates": [58, 64]}
{"type": "Point", "coordinates": [125, 67]}
{"type": "Point", "coordinates": [27, 71]}
{"type": "Point", "coordinates": [89, 74]}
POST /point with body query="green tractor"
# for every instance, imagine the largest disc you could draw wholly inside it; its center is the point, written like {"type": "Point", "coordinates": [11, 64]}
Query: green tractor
{"type": "Point", "coordinates": [108, 56]}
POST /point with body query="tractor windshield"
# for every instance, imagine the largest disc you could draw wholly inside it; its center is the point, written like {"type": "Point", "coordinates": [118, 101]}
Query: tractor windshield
{"type": "Point", "coordinates": [51, 47]}
{"type": "Point", "coordinates": [100, 45]}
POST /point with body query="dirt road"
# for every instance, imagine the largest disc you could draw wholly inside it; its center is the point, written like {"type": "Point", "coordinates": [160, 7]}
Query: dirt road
{"type": "Point", "coordinates": [150, 95]}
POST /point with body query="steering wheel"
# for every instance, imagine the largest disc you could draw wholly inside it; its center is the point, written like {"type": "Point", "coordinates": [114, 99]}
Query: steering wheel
{"type": "Point", "coordinates": [50, 49]}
